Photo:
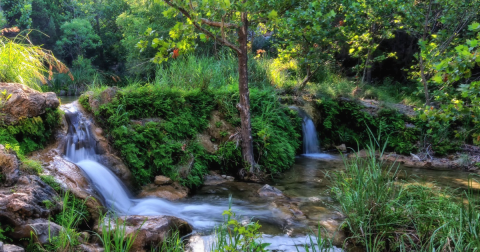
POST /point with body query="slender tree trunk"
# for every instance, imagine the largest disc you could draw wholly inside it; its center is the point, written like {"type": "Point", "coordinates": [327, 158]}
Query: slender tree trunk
{"type": "Point", "coordinates": [244, 105]}
{"type": "Point", "coordinates": [422, 65]}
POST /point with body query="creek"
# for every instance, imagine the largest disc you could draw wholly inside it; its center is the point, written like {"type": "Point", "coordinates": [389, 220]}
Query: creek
{"type": "Point", "coordinates": [285, 221]}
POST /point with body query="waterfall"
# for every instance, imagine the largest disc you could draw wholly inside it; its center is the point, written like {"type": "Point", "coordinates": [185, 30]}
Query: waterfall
{"type": "Point", "coordinates": [310, 138]}
{"type": "Point", "coordinates": [80, 148]}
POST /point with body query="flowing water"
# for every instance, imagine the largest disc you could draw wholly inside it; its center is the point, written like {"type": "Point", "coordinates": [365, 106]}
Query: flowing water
{"type": "Point", "coordinates": [306, 186]}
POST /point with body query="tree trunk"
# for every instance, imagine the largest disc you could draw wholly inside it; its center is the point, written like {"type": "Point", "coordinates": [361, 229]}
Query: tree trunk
{"type": "Point", "coordinates": [244, 105]}
{"type": "Point", "coordinates": [424, 81]}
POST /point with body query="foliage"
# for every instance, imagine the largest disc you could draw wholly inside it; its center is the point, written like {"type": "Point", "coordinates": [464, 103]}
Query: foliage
{"type": "Point", "coordinates": [25, 63]}
{"type": "Point", "coordinates": [346, 122]}
{"type": "Point", "coordinates": [232, 235]}
{"type": "Point", "coordinates": [317, 243]}
{"type": "Point", "coordinates": [78, 36]}
{"type": "Point", "coordinates": [74, 212]}
{"type": "Point", "coordinates": [50, 180]}
{"type": "Point", "coordinates": [114, 234]}
{"type": "Point", "coordinates": [382, 214]}
{"type": "Point", "coordinates": [30, 134]}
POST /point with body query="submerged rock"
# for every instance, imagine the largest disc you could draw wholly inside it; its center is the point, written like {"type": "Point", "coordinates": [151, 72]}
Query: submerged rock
{"type": "Point", "coordinates": [269, 191]}
{"type": "Point", "coordinates": [149, 230]}
{"type": "Point", "coordinates": [25, 102]}
{"type": "Point", "coordinates": [9, 165]}
{"type": "Point", "coordinates": [171, 192]}
{"type": "Point", "coordinates": [212, 178]}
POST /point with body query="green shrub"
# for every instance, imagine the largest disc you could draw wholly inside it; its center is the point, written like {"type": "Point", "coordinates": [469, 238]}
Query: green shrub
{"type": "Point", "coordinates": [50, 180]}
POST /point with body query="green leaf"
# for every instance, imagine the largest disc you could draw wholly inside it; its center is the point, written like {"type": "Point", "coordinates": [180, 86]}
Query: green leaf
{"type": "Point", "coordinates": [475, 26]}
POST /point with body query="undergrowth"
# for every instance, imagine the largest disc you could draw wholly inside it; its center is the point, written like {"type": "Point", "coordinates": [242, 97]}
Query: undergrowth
{"type": "Point", "coordinates": [155, 126]}
{"type": "Point", "coordinates": [385, 215]}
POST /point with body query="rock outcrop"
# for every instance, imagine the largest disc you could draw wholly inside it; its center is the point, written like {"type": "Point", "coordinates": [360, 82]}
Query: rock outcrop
{"type": "Point", "coordinates": [149, 230]}
{"type": "Point", "coordinates": [25, 102]}
{"type": "Point", "coordinates": [27, 206]}
{"type": "Point", "coordinates": [70, 177]}
{"type": "Point", "coordinates": [9, 166]}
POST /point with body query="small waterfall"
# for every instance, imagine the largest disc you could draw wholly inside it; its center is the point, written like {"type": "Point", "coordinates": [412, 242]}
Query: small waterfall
{"type": "Point", "coordinates": [310, 138]}
{"type": "Point", "coordinates": [80, 148]}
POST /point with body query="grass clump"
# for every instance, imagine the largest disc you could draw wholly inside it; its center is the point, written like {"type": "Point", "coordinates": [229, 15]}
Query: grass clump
{"type": "Point", "coordinates": [385, 215]}
{"type": "Point", "coordinates": [114, 235]}
{"type": "Point", "coordinates": [25, 63]}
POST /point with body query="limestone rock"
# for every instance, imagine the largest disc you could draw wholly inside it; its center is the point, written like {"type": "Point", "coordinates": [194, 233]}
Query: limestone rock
{"type": "Point", "coordinates": [27, 201]}
{"type": "Point", "coordinates": [70, 178]}
{"type": "Point", "coordinates": [25, 102]}
{"type": "Point", "coordinates": [171, 192]}
{"type": "Point", "coordinates": [162, 180]}
{"type": "Point", "coordinates": [89, 248]}
{"type": "Point", "coordinates": [150, 230]}
{"type": "Point", "coordinates": [9, 165]}
{"type": "Point", "coordinates": [42, 228]}
{"type": "Point", "coordinates": [195, 244]}
{"type": "Point", "coordinates": [12, 248]}
{"type": "Point", "coordinates": [269, 191]}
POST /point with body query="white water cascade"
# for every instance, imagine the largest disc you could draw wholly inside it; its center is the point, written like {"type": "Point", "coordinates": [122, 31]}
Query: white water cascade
{"type": "Point", "coordinates": [80, 148]}
{"type": "Point", "coordinates": [310, 138]}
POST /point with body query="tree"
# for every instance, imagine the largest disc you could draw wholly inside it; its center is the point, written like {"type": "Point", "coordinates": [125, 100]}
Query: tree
{"type": "Point", "coordinates": [78, 36]}
{"type": "Point", "coordinates": [222, 21]}
{"type": "Point", "coordinates": [308, 33]}
{"type": "Point", "coordinates": [438, 25]}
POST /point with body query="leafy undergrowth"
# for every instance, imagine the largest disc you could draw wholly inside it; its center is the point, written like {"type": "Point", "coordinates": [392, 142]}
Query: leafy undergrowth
{"type": "Point", "coordinates": [30, 134]}
{"type": "Point", "coordinates": [167, 145]}
{"type": "Point", "coordinates": [385, 215]}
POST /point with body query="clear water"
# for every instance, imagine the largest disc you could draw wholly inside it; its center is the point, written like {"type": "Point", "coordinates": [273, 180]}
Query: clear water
{"type": "Point", "coordinates": [306, 185]}
{"type": "Point", "coordinates": [310, 138]}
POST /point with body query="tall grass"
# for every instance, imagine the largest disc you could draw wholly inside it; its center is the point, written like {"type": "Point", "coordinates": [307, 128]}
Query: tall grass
{"type": "Point", "coordinates": [22, 62]}
{"type": "Point", "coordinates": [114, 234]}
{"type": "Point", "coordinates": [383, 214]}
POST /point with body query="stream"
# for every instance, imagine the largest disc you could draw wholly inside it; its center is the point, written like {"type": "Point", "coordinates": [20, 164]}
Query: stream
{"type": "Point", "coordinates": [285, 221]}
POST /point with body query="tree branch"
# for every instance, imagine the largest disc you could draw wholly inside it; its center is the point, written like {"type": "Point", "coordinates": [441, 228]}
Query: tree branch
{"type": "Point", "coordinates": [218, 24]}
{"type": "Point", "coordinates": [220, 40]}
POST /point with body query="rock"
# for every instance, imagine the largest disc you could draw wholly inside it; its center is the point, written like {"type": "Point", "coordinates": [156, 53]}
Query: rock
{"type": "Point", "coordinates": [27, 200]}
{"type": "Point", "coordinates": [269, 191]}
{"type": "Point", "coordinates": [341, 148]}
{"type": "Point", "coordinates": [195, 244]}
{"type": "Point", "coordinates": [184, 169]}
{"type": "Point", "coordinates": [84, 237]}
{"type": "Point", "coordinates": [42, 228]}
{"type": "Point", "coordinates": [171, 192]}
{"type": "Point", "coordinates": [105, 97]}
{"type": "Point", "coordinates": [162, 180]}
{"type": "Point", "coordinates": [150, 230]}
{"type": "Point", "coordinates": [214, 179]}
{"type": "Point", "coordinates": [62, 93]}
{"type": "Point", "coordinates": [206, 141]}
{"type": "Point", "coordinates": [26, 102]}
{"type": "Point", "coordinates": [9, 166]}
{"type": "Point", "coordinates": [12, 248]}
{"type": "Point", "coordinates": [89, 248]}
{"type": "Point", "coordinates": [70, 177]}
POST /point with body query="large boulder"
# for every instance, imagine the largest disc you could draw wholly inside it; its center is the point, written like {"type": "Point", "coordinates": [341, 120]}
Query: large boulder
{"type": "Point", "coordinates": [269, 191]}
{"type": "Point", "coordinates": [149, 230]}
{"type": "Point", "coordinates": [9, 165]}
{"type": "Point", "coordinates": [25, 102]}
{"type": "Point", "coordinates": [29, 199]}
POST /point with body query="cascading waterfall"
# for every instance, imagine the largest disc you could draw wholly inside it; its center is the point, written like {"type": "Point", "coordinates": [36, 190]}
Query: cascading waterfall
{"type": "Point", "coordinates": [80, 148]}
{"type": "Point", "coordinates": [310, 138]}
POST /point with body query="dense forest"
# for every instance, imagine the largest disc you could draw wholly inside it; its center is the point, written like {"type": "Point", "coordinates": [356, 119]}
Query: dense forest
{"type": "Point", "coordinates": [174, 97]}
